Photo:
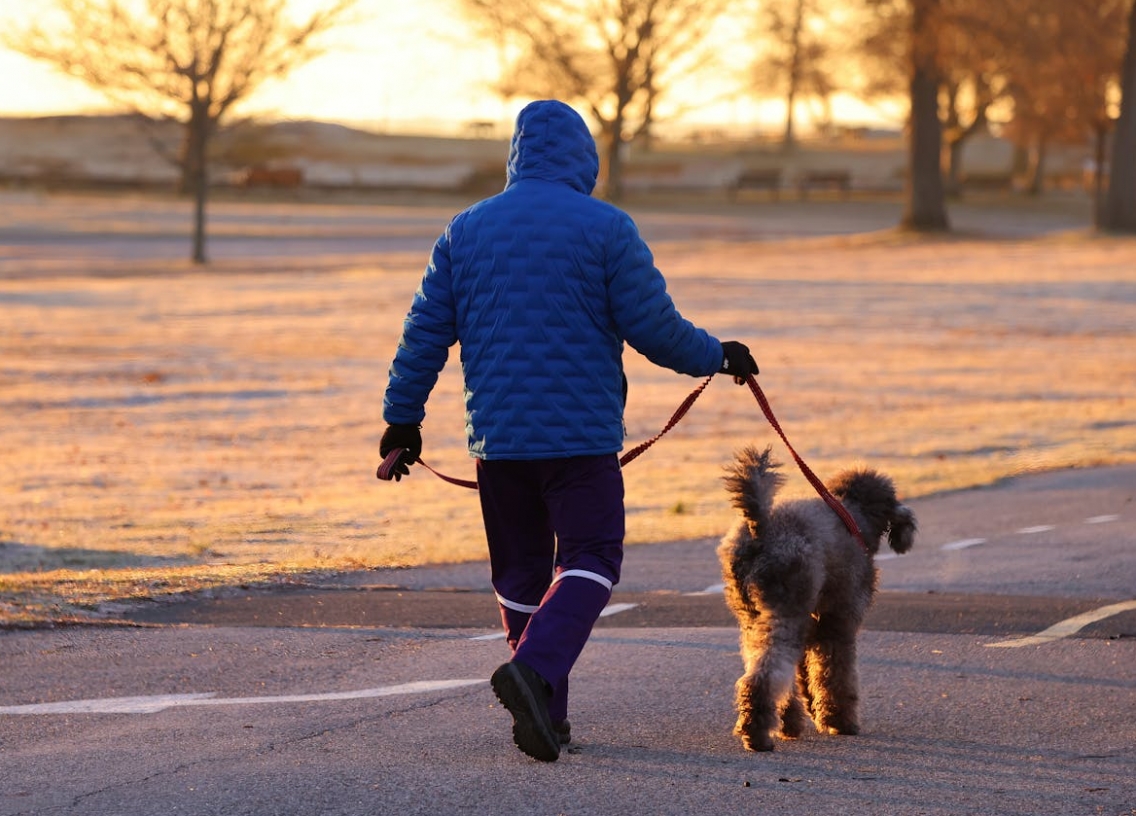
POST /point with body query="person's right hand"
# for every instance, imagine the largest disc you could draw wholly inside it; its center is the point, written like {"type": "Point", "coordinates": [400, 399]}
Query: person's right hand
{"type": "Point", "coordinates": [407, 437]}
{"type": "Point", "coordinates": [738, 362]}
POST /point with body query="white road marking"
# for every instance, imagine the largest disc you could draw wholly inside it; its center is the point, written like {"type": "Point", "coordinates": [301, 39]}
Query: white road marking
{"type": "Point", "coordinates": [114, 705]}
{"type": "Point", "coordinates": [152, 705]}
{"type": "Point", "coordinates": [962, 544]}
{"type": "Point", "coordinates": [615, 609]}
{"type": "Point", "coordinates": [161, 702]}
{"type": "Point", "coordinates": [1067, 627]}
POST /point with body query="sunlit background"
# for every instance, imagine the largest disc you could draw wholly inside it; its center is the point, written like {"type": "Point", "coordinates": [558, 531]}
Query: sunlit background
{"type": "Point", "coordinates": [162, 423]}
{"type": "Point", "coordinates": [416, 67]}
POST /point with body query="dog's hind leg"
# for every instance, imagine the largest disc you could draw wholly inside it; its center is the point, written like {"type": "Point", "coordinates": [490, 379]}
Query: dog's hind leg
{"type": "Point", "coordinates": [832, 677]}
{"type": "Point", "coordinates": [771, 649]}
{"type": "Point", "coordinates": [794, 714]}
{"type": "Point", "coordinates": [796, 718]}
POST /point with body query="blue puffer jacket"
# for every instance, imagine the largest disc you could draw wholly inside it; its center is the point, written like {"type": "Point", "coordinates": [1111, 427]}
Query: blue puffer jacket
{"type": "Point", "coordinates": [541, 284]}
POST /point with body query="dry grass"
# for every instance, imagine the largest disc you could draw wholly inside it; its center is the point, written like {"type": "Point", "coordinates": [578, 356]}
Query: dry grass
{"type": "Point", "coordinates": [175, 431]}
{"type": "Point", "coordinates": [83, 597]}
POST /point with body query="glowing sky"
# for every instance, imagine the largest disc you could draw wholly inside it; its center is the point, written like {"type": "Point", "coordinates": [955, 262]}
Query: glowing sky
{"type": "Point", "coordinates": [406, 64]}
{"type": "Point", "coordinates": [401, 61]}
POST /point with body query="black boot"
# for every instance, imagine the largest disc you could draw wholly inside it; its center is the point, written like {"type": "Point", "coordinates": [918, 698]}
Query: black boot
{"type": "Point", "coordinates": [525, 694]}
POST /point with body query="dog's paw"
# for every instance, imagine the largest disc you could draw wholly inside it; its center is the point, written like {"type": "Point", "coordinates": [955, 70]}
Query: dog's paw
{"type": "Point", "coordinates": [754, 739]}
{"type": "Point", "coordinates": [794, 719]}
{"type": "Point", "coordinates": [836, 727]}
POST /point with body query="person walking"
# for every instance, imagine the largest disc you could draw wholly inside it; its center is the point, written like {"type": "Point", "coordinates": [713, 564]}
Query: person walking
{"type": "Point", "coordinates": [542, 285]}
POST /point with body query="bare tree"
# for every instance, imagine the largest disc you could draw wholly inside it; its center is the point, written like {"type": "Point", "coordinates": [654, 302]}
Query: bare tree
{"type": "Point", "coordinates": [926, 208]}
{"type": "Point", "coordinates": [965, 49]}
{"type": "Point", "coordinates": [189, 60]}
{"type": "Point", "coordinates": [1119, 212]}
{"type": "Point", "coordinates": [796, 62]}
{"type": "Point", "coordinates": [615, 57]}
{"type": "Point", "coordinates": [973, 79]}
{"type": "Point", "coordinates": [909, 33]}
{"type": "Point", "coordinates": [1061, 59]}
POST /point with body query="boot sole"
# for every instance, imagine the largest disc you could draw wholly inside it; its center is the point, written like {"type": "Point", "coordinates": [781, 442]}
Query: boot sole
{"type": "Point", "coordinates": [530, 732]}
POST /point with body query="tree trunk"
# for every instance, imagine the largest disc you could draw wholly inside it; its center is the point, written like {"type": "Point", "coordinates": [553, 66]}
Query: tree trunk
{"type": "Point", "coordinates": [199, 256]}
{"type": "Point", "coordinates": [1119, 213]}
{"type": "Point", "coordinates": [957, 141]}
{"type": "Point", "coordinates": [789, 141]}
{"type": "Point", "coordinates": [954, 172]}
{"type": "Point", "coordinates": [1099, 158]}
{"type": "Point", "coordinates": [1035, 184]}
{"type": "Point", "coordinates": [926, 201]}
{"type": "Point", "coordinates": [613, 190]}
{"type": "Point", "coordinates": [195, 174]}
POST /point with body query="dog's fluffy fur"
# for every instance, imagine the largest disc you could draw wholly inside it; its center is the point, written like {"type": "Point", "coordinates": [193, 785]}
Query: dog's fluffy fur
{"type": "Point", "coordinates": [800, 584]}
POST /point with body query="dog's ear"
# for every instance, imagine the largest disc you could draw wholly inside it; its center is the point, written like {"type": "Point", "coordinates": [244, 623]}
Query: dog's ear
{"type": "Point", "coordinates": [901, 529]}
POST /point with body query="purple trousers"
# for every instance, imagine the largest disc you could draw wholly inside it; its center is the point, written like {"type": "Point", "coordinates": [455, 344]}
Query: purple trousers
{"type": "Point", "coordinates": [555, 529]}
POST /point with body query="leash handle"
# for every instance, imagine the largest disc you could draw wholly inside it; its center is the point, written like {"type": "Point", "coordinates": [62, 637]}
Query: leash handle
{"type": "Point", "coordinates": [817, 484]}
{"type": "Point", "coordinates": [386, 470]}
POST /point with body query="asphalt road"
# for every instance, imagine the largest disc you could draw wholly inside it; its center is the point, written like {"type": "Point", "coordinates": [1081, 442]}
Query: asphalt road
{"type": "Point", "coordinates": [998, 671]}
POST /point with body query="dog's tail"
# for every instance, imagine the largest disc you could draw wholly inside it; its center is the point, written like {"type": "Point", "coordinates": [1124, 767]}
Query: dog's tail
{"type": "Point", "coordinates": [752, 481]}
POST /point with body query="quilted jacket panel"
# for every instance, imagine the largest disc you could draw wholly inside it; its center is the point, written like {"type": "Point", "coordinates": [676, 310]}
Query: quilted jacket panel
{"type": "Point", "coordinates": [542, 285]}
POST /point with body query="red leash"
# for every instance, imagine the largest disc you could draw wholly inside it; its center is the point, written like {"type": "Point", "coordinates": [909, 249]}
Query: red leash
{"type": "Point", "coordinates": [678, 414]}
{"type": "Point", "coordinates": [817, 484]}
{"type": "Point", "coordinates": [386, 469]}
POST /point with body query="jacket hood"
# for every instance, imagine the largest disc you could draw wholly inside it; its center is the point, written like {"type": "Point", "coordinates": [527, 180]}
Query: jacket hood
{"type": "Point", "coordinates": [552, 142]}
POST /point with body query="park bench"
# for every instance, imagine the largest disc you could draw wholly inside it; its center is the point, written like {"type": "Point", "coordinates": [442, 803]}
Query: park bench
{"type": "Point", "coordinates": [756, 179]}
{"type": "Point", "coordinates": [988, 181]}
{"type": "Point", "coordinates": [840, 180]}
{"type": "Point", "coordinates": [261, 176]}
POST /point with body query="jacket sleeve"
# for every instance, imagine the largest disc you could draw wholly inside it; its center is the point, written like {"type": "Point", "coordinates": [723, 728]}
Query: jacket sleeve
{"type": "Point", "coordinates": [427, 334]}
{"type": "Point", "coordinates": [644, 313]}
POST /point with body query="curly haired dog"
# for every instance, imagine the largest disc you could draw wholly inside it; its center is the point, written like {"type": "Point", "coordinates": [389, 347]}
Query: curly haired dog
{"type": "Point", "coordinates": [800, 584]}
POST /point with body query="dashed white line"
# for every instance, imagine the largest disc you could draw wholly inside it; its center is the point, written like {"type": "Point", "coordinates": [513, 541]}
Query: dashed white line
{"type": "Point", "coordinates": [615, 609]}
{"type": "Point", "coordinates": [1102, 519]}
{"type": "Point", "coordinates": [160, 702]}
{"type": "Point", "coordinates": [1067, 627]}
{"type": "Point", "coordinates": [713, 589]}
{"type": "Point", "coordinates": [962, 544]}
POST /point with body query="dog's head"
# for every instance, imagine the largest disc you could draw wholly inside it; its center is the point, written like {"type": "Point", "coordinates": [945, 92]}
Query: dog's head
{"type": "Point", "coordinates": [873, 495]}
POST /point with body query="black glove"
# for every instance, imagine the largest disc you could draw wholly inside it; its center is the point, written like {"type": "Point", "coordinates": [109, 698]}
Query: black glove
{"type": "Point", "coordinates": [738, 363]}
{"type": "Point", "coordinates": [408, 437]}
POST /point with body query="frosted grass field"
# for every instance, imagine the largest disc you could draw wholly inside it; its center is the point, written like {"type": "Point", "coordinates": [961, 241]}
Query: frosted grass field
{"type": "Point", "coordinates": [161, 416]}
